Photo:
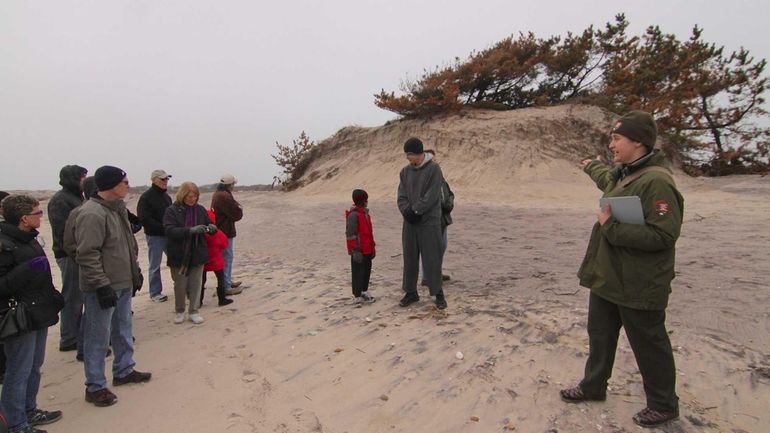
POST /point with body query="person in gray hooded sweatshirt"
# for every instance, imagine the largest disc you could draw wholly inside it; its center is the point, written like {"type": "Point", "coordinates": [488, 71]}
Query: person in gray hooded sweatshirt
{"type": "Point", "coordinates": [419, 200]}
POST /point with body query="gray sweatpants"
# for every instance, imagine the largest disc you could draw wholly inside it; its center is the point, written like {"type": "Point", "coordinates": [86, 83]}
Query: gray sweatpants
{"type": "Point", "coordinates": [426, 242]}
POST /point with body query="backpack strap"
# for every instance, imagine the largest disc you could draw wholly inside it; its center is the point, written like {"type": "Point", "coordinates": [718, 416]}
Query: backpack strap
{"type": "Point", "coordinates": [638, 173]}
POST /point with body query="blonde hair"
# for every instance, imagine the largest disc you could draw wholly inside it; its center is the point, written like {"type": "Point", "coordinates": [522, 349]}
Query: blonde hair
{"type": "Point", "coordinates": [186, 188]}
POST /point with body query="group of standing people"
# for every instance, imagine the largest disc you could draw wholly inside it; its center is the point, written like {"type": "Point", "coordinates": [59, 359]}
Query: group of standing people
{"type": "Point", "coordinates": [96, 251]}
{"type": "Point", "coordinates": [627, 267]}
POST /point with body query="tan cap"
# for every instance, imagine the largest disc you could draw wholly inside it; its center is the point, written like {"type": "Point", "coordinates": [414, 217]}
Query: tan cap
{"type": "Point", "coordinates": [228, 179]}
{"type": "Point", "coordinates": [159, 173]}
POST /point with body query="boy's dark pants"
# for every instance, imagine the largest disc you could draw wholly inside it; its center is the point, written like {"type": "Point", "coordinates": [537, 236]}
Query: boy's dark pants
{"type": "Point", "coordinates": [361, 273]}
{"type": "Point", "coordinates": [646, 333]}
{"type": "Point", "coordinates": [220, 274]}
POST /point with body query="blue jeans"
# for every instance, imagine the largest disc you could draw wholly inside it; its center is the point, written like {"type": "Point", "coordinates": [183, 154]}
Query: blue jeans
{"type": "Point", "coordinates": [227, 254]}
{"type": "Point", "coordinates": [72, 313]}
{"type": "Point", "coordinates": [156, 246]}
{"type": "Point", "coordinates": [25, 354]}
{"type": "Point", "coordinates": [102, 327]}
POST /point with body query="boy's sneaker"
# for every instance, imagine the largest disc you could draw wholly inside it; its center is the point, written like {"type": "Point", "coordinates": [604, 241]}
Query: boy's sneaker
{"type": "Point", "coordinates": [196, 318]}
{"type": "Point", "coordinates": [179, 318]}
{"type": "Point", "coordinates": [409, 299]}
{"type": "Point", "coordinates": [440, 301]}
{"type": "Point", "coordinates": [367, 297]}
{"type": "Point", "coordinates": [42, 417]}
{"type": "Point", "coordinates": [160, 297]}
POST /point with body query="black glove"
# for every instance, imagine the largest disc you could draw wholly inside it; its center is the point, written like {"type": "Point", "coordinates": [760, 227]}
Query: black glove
{"type": "Point", "coordinates": [411, 217]}
{"type": "Point", "coordinates": [138, 284]}
{"type": "Point", "coordinates": [107, 297]}
{"type": "Point", "coordinates": [358, 257]}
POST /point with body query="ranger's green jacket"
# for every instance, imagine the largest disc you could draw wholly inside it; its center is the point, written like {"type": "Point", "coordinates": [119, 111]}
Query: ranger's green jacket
{"type": "Point", "coordinates": [629, 264]}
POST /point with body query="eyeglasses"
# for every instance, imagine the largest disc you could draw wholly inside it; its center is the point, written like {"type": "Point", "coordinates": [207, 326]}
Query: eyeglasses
{"type": "Point", "coordinates": [38, 213]}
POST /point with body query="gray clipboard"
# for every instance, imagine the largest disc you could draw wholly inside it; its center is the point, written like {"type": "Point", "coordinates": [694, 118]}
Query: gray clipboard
{"type": "Point", "coordinates": [625, 209]}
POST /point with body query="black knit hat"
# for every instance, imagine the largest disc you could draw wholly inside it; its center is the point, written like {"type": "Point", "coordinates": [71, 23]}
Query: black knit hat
{"type": "Point", "coordinates": [637, 126]}
{"type": "Point", "coordinates": [413, 145]}
{"type": "Point", "coordinates": [360, 196]}
{"type": "Point", "coordinates": [108, 177]}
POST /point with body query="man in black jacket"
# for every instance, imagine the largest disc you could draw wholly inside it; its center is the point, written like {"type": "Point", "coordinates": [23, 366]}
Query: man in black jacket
{"type": "Point", "coordinates": [62, 203]}
{"type": "Point", "coordinates": [150, 209]}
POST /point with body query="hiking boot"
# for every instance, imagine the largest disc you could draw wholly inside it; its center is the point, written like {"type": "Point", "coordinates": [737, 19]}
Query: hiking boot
{"type": "Point", "coordinates": [196, 318]}
{"type": "Point", "coordinates": [409, 299]}
{"type": "Point", "coordinates": [235, 284]}
{"type": "Point", "coordinates": [160, 297]}
{"type": "Point", "coordinates": [440, 301]}
{"type": "Point", "coordinates": [367, 297]}
{"type": "Point", "coordinates": [43, 417]}
{"type": "Point", "coordinates": [651, 418]}
{"type": "Point", "coordinates": [178, 318]}
{"type": "Point", "coordinates": [233, 291]}
{"type": "Point", "coordinates": [576, 395]}
{"type": "Point", "coordinates": [133, 377]}
{"type": "Point", "coordinates": [225, 301]}
{"type": "Point", "coordinates": [101, 398]}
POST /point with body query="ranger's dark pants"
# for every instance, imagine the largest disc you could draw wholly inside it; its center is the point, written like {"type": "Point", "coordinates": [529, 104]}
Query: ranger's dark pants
{"type": "Point", "coordinates": [646, 332]}
{"type": "Point", "coordinates": [360, 274]}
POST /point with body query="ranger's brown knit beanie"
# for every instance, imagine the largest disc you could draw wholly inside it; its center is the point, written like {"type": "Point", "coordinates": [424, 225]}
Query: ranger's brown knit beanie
{"type": "Point", "coordinates": [637, 126]}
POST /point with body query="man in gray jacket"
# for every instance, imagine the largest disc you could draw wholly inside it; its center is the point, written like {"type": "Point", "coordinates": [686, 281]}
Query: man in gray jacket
{"type": "Point", "coordinates": [419, 200]}
{"type": "Point", "coordinates": [109, 271]}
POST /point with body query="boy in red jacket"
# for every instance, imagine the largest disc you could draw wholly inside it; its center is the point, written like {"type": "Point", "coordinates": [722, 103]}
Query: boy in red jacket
{"type": "Point", "coordinates": [360, 239]}
{"type": "Point", "coordinates": [217, 242]}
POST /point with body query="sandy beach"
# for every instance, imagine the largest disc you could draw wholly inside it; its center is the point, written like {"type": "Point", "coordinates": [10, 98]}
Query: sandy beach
{"type": "Point", "coordinates": [294, 354]}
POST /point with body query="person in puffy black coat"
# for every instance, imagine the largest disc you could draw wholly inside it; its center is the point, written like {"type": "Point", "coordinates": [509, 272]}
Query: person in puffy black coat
{"type": "Point", "coordinates": [185, 223]}
{"type": "Point", "coordinates": [25, 278]}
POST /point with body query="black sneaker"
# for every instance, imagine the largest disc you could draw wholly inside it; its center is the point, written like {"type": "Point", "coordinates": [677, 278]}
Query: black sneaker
{"type": "Point", "coordinates": [440, 301]}
{"type": "Point", "coordinates": [43, 417]}
{"type": "Point", "coordinates": [409, 299]}
{"type": "Point", "coordinates": [69, 348]}
{"type": "Point", "coordinates": [101, 398]}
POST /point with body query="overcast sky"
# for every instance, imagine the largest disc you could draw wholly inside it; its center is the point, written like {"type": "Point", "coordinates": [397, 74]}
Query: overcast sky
{"type": "Point", "coordinates": [203, 87]}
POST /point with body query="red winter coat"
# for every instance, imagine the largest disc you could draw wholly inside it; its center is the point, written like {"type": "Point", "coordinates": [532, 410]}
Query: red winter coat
{"type": "Point", "coordinates": [360, 234]}
{"type": "Point", "coordinates": [216, 244]}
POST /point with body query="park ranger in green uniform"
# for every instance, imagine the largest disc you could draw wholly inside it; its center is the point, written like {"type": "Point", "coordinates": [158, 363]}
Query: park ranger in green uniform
{"type": "Point", "coordinates": [629, 268]}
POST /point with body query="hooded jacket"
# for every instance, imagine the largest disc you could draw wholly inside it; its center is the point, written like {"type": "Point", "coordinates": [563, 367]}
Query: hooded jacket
{"type": "Point", "coordinates": [63, 202]}
{"type": "Point", "coordinates": [628, 264]}
{"type": "Point", "coordinates": [106, 248]}
{"type": "Point", "coordinates": [419, 188]}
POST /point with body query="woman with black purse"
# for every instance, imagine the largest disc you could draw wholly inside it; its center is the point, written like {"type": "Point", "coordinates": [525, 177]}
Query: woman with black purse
{"type": "Point", "coordinates": [29, 304]}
